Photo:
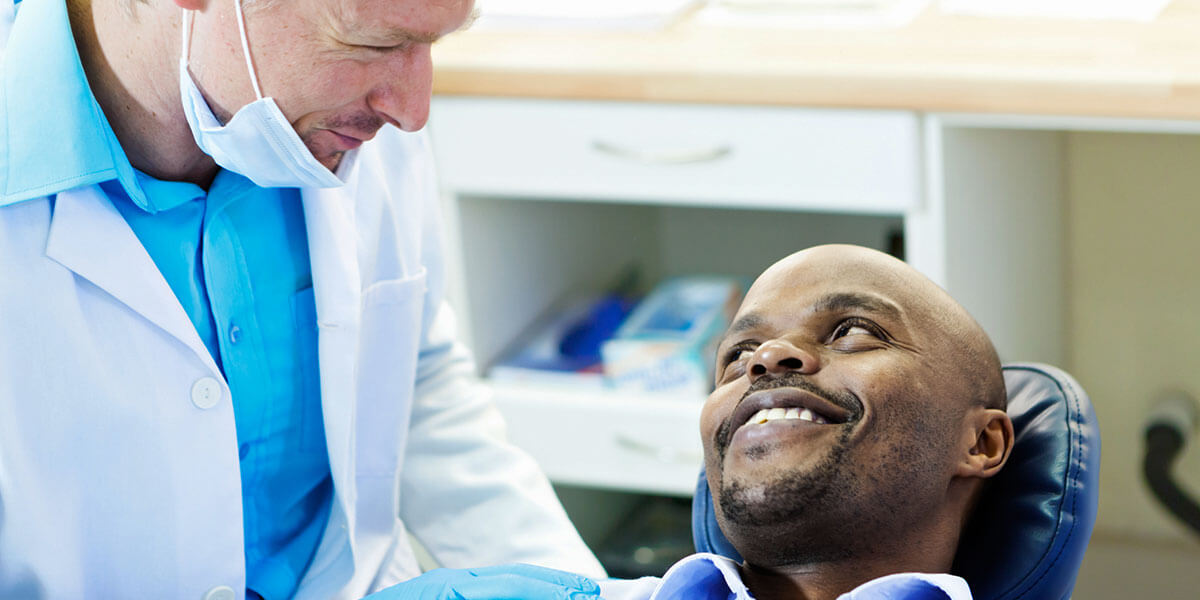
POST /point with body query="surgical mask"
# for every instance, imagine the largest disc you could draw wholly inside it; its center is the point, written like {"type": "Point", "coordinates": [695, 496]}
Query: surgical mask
{"type": "Point", "coordinates": [258, 142]}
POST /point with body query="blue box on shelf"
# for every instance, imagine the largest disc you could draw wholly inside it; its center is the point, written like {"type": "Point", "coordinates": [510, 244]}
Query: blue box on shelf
{"type": "Point", "coordinates": [666, 345]}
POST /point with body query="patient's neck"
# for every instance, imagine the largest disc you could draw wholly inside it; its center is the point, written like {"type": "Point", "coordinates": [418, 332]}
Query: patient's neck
{"type": "Point", "coordinates": [830, 579]}
{"type": "Point", "coordinates": [804, 562]}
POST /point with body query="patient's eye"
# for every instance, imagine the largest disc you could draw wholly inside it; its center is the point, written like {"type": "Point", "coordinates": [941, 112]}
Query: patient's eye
{"type": "Point", "coordinates": [852, 329]}
{"type": "Point", "coordinates": [857, 333]}
{"type": "Point", "coordinates": [733, 362]}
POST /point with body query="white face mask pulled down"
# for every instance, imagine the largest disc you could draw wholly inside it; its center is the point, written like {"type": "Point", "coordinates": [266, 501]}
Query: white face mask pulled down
{"type": "Point", "coordinates": [258, 142]}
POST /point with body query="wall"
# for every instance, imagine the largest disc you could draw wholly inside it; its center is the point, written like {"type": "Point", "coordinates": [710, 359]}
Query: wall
{"type": "Point", "coordinates": [1133, 284]}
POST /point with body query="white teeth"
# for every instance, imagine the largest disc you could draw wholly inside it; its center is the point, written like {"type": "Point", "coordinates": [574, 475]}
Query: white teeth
{"type": "Point", "coordinates": [767, 415]}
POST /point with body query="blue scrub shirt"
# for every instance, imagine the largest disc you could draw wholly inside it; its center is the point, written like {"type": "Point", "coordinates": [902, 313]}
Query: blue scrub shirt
{"type": "Point", "coordinates": [236, 257]}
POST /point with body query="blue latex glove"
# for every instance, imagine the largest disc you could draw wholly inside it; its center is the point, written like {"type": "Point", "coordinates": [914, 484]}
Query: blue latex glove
{"type": "Point", "coordinates": [508, 582]}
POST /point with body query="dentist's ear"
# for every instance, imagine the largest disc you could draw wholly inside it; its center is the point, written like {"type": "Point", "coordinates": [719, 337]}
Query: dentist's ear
{"type": "Point", "coordinates": [988, 445]}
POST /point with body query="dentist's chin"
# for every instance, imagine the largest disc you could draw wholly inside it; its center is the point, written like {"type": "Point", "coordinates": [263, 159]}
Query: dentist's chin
{"type": "Point", "coordinates": [328, 147]}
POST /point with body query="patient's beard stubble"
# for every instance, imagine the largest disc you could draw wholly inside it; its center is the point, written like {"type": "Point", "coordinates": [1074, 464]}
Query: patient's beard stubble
{"type": "Point", "coordinates": [794, 518]}
{"type": "Point", "coordinates": [838, 509]}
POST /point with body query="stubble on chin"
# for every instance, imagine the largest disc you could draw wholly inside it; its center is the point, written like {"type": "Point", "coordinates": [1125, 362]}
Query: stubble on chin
{"type": "Point", "coordinates": [789, 495]}
{"type": "Point", "coordinates": [838, 508]}
{"type": "Point", "coordinates": [328, 157]}
{"type": "Point", "coordinates": [333, 161]}
{"type": "Point", "coordinates": [794, 518]}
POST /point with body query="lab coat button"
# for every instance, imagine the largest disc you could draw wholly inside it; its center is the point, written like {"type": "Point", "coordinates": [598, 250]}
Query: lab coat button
{"type": "Point", "coordinates": [221, 592]}
{"type": "Point", "coordinates": [235, 334]}
{"type": "Point", "coordinates": [206, 393]}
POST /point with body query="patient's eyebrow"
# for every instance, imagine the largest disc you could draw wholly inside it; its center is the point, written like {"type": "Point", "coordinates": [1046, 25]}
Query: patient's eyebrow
{"type": "Point", "coordinates": [835, 302]}
{"type": "Point", "coordinates": [846, 301]}
{"type": "Point", "coordinates": [750, 321]}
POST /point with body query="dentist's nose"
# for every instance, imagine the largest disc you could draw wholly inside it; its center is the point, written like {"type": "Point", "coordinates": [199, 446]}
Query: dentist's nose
{"type": "Point", "coordinates": [779, 356]}
{"type": "Point", "coordinates": [403, 97]}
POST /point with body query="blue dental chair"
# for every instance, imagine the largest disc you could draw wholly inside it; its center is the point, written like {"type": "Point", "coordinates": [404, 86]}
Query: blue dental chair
{"type": "Point", "coordinates": [1029, 531]}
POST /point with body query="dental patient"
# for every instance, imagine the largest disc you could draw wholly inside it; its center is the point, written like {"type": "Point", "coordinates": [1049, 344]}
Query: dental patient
{"type": "Point", "coordinates": [858, 410]}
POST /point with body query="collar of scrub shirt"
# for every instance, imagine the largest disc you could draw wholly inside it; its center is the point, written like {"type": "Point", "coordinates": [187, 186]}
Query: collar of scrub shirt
{"type": "Point", "coordinates": [699, 575]}
{"type": "Point", "coordinates": [55, 136]}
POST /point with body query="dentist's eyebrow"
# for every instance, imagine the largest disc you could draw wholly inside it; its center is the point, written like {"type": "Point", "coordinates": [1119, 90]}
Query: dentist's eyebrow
{"type": "Point", "coordinates": [399, 35]}
{"type": "Point", "coordinates": [845, 301]}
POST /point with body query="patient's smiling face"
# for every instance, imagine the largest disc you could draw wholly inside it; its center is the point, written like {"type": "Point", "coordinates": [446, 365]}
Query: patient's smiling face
{"type": "Point", "coordinates": [836, 412]}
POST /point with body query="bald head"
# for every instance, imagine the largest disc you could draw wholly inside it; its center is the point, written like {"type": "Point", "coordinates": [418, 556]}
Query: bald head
{"type": "Point", "coordinates": [954, 338]}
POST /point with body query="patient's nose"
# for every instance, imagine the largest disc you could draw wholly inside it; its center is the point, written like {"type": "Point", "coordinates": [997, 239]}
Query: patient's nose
{"type": "Point", "coordinates": [779, 356]}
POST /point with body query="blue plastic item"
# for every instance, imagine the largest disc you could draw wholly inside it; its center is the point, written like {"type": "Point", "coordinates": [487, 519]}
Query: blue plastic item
{"type": "Point", "coordinates": [583, 340]}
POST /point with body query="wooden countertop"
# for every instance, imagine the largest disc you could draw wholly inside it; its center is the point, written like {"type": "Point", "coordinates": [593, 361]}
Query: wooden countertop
{"type": "Point", "coordinates": [937, 63]}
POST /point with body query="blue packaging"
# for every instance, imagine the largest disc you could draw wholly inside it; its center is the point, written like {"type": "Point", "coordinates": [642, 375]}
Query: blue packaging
{"type": "Point", "coordinates": [666, 344]}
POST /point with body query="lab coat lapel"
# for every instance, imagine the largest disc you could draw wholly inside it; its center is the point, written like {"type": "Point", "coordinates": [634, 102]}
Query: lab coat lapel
{"type": "Point", "coordinates": [89, 237]}
{"type": "Point", "coordinates": [329, 218]}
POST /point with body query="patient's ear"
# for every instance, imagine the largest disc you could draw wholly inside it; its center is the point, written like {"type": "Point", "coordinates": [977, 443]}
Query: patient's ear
{"type": "Point", "coordinates": [989, 440]}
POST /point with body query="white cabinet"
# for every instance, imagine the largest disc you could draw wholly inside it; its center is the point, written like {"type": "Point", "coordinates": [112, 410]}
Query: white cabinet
{"type": "Point", "coordinates": [546, 198]}
{"type": "Point", "coordinates": [694, 155]}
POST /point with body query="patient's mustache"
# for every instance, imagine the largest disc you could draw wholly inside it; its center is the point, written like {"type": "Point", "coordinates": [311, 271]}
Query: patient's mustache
{"type": "Point", "coordinates": [845, 400]}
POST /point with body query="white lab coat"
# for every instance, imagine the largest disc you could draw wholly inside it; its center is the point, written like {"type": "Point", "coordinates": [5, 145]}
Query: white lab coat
{"type": "Point", "coordinates": [115, 482]}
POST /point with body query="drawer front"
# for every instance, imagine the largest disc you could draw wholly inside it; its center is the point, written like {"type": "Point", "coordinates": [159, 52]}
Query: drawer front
{"type": "Point", "coordinates": [765, 157]}
{"type": "Point", "coordinates": [603, 440]}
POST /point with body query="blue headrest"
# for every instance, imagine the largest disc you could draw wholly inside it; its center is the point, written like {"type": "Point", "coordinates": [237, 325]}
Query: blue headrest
{"type": "Point", "coordinates": [1029, 531]}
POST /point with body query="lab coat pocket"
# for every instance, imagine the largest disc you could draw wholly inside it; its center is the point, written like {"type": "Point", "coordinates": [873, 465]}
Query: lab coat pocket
{"type": "Point", "coordinates": [389, 346]}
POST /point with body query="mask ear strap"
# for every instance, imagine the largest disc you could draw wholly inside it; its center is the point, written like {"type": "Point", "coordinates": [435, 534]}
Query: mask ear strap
{"type": "Point", "coordinates": [186, 25]}
{"type": "Point", "coordinates": [241, 19]}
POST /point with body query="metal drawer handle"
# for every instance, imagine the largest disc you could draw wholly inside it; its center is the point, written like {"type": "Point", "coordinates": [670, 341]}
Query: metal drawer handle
{"type": "Point", "coordinates": [663, 157]}
{"type": "Point", "coordinates": [664, 454]}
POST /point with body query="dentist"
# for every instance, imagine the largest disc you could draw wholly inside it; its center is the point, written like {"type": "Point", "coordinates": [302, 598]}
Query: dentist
{"type": "Point", "coordinates": [226, 368]}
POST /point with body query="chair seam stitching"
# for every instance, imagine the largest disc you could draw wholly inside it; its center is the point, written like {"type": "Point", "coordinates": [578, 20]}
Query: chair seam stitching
{"type": "Point", "coordinates": [1072, 472]}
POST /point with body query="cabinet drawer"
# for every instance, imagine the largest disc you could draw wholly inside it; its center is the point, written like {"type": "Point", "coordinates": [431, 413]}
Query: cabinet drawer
{"type": "Point", "coordinates": [786, 158]}
{"type": "Point", "coordinates": [597, 439]}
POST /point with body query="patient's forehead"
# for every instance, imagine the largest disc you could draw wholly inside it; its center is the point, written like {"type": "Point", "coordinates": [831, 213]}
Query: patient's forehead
{"type": "Point", "coordinates": [843, 276]}
{"type": "Point", "coordinates": [843, 263]}
{"type": "Point", "coordinates": [930, 321]}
